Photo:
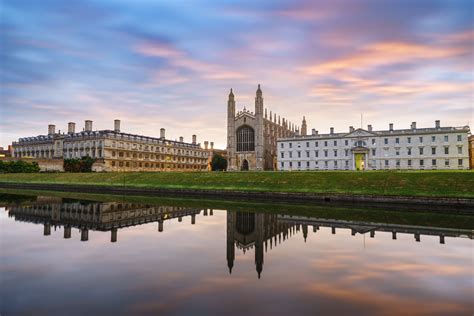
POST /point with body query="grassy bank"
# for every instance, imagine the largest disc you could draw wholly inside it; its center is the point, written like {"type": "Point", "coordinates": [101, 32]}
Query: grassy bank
{"type": "Point", "coordinates": [397, 183]}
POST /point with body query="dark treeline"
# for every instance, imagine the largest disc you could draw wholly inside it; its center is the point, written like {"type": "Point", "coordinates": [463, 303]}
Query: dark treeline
{"type": "Point", "coordinates": [18, 166]}
{"type": "Point", "coordinates": [79, 165]}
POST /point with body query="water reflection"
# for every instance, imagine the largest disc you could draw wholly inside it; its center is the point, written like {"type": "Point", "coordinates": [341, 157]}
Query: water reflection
{"type": "Point", "coordinates": [245, 230]}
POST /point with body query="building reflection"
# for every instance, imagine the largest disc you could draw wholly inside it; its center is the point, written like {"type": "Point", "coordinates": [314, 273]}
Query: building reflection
{"type": "Point", "coordinates": [246, 231]}
{"type": "Point", "coordinates": [97, 216]}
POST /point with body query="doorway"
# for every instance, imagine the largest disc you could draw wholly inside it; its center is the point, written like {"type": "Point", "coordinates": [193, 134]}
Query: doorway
{"type": "Point", "coordinates": [245, 165]}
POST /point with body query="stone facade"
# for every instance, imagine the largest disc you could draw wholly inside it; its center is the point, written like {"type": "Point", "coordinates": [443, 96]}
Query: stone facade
{"type": "Point", "coordinates": [471, 152]}
{"type": "Point", "coordinates": [115, 150]}
{"type": "Point", "coordinates": [358, 149]}
{"type": "Point", "coordinates": [252, 136]}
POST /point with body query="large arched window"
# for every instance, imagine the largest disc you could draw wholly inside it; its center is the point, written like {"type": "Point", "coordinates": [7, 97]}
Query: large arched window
{"type": "Point", "coordinates": [245, 139]}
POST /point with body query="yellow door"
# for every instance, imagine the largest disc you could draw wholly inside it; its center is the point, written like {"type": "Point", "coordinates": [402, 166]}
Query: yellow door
{"type": "Point", "coordinates": [359, 158]}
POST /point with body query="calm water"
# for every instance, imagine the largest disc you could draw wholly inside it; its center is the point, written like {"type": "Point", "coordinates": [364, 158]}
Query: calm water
{"type": "Point", "coordinates": [72, 257]}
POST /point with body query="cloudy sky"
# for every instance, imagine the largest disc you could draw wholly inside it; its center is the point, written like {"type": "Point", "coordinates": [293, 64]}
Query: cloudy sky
{"type": "Point", "coordinates": [171, 64]}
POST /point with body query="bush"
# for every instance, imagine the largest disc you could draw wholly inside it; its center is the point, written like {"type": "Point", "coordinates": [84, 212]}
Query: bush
{"type": "Point", "coordinates": [18, 166]}
{"type": "Point", "coordinates": [79, 165]}
{"type": "Point", "coordinates": [218, 163]}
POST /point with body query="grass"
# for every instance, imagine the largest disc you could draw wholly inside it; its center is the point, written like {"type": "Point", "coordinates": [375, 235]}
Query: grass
{"type": "Point", "coordinates": [396, 183]}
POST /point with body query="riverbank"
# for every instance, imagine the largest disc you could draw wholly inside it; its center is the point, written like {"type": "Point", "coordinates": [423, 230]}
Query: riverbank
{"type": "Point", "coordinates": [450, 188]}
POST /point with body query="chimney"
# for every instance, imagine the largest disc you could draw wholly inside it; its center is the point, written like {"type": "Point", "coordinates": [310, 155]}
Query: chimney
{"type": "Point", "coordinates": [332, 130]}
{"type": "Point", "coordinates": [181, 139]}
{"type": "Point", "coordinates": [117, 126]}
{"type": "Point", "coordinates": [413, 125]}
{"type": "Point", "coordinates": [71, 127]}
{"type": "Point", "coordinates": [194, 139]}
{"type": "Point", "coordinates": [162, 133]}
{"type": "Point", "coordinates": [88, 126]}
{"type": "Point", "coordinates": [51, 129]}
{"type": "Point", "coordinates": [437, 124]}
{"type": "Point", "coordinates": [313, 131]}
{"type": "Point", "coordinates": [390, 127]}
{"type": "Point", "coordinates": [351, 129]}
{"type": "Point", "coordinates": [369, 128]}
{"type": "Point", "coordinates": [212, 145]}
{"type": "Point", "coordinates": [206, 143]}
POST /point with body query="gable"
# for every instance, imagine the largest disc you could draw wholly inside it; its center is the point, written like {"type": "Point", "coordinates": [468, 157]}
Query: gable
{"type": "Point", "coordinates": [360, 133]}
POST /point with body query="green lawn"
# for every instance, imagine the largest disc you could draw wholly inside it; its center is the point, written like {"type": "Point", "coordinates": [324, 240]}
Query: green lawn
{"type": "Point", "coordinates": [406, 183]}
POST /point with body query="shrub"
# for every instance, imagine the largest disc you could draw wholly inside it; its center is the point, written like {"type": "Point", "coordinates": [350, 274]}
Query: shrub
{"type": "Point", "coordinates": [218, 163]}
{"type": "Point", "coordinates": [79, 165]}
{"type": "Point", "coordinates": [18, 166]}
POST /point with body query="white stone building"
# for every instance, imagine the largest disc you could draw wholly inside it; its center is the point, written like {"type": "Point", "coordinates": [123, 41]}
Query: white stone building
{"type": "Point", "coordinates": [358, 149]}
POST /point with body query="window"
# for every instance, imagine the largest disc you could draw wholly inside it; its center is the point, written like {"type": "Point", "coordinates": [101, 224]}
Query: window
{"type": "Point", "coordinates": [409, 140]}
{"type": "Point", "coordinates": [446, 138]}
{"type": "Point", "coordinates": [421, 140]}
{"type": "Point", "coordinates": [459, 149]}
{"type": "Point", "coordinates": [316, 153]}
{"type": "Point", "coordinates": [299, 164]}
{"type": "Point", "coordinates": [433, 150]}
{"type": "Point", "coordinates": [459, 162]}
{"type": "Point", "coordinates": [373, 152]}
{"type": "Point", "coordinates": [291, 164]}
{"type": "Point", "coordinates": [291, 145]}
{"type": "Point", "coordinates": [422, 162]}
{"type": "Point", "coordinates": [459, 138]}
{"type": "Point", "coordinates": [409, 151]}
{"type": "Point", "coordinates": [291, 154]}
{"type": "Point", "coordinates": [446, 162]}
{"type": "Point", "coordinates": [307, 164]}
{"type": "Point", "coordinates": [397, 140]}
{"type": "Point", "coordinates": [325, 143]}
{"type": "Point", "coordinates": [282, 155]}
{"type": "Point", "coordinates": [347, 152]}
{"type": "Point", "coordinates": [346, 142]}
{"type": "Point", "coordinates": [307, 154]}
{"type": "Point", "coordinates": [386, 163]}
{"type": "Point", "coordinates": [335, 143]}
{"type": "Point", "coordinates": [282, 165]}
{"type": "Point", "coordinates": [282, 145]}
{"type": "Point", "coordinates": [409, 162]}
{"type": "Point", "coordinates": [398, 163]}
{"type": "Point", "coordinates": [326, 164]}
{"type": "Point", "coordinates": [246, 139]}
{"type": "Point", "coordinates": [397, 153]}
{"type": "Point", "coordinates": [433, 139]}
{"type": "Point", "coordinates": [316, 144]}
{"type": "Point", "coordinates": [433, 162]}
{"type": "Point", "coordinates": [335, 163]}
{"type": "Point", "coordinates": [347, 163]}
{"type": "Point", "coordinates": [325, 153]}
{"type": "Point", "coordinates": [421, 150]}
{"type": "Point", "coordinates": [299, 154]}
{"type": "Point", "coordinates": [335, 153]}
{"type": "Point", "coordinates": [385, 141]}
{"type": "Point", "coordinates": [307, 144]}
{"type": "Point", "coordinates": [373, 141]}
{"type": "Point", "coordinates": [446, 150]}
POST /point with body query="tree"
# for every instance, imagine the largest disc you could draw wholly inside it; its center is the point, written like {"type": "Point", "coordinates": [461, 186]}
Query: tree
{"type": "Point", "coordinates": [79, 165]}
{"type": "Point", "coordinates": [218, 163]}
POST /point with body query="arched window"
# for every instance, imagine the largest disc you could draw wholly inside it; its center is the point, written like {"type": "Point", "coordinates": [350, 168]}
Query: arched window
{"type": "Point", "coordinates": [245, 139]}
{"type": "Point", "coordinates": [360, 143]}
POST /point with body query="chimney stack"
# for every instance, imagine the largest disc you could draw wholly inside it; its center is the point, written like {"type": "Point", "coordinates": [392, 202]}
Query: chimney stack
{"type": "Point", "coordinates": [71, 127]}
{"type": "Point", "coordinates": [117, 126]}
{"type": "Point", "coordinates": [390, 127]}
{"type": "Point", "coordinates": [206, 143]}
{"type": "Point", "coordinates": [369, 128]}
{"type": "Point", "coordinates": [181, 139]}
{"type": "Point", "coordinates": [88, 126]}
{"type": "Point", "coordinates": [194, 139]}
{"type": "Point", "coordinates": [51, 129]}
{"type": "Point", "coordinates": [437, 123]}
{"type": "Point", "coordinates": [212, 145]}
{"type": "Point", "coordinates": [351, 129]}
{"type": "Point", "coordinates": [413, 125]}
{"type": "Point", "coordinates": [331, 130]}
{"type": "Point", "coordinates": [313, 131]}
{"type": "Point", "coordinates": [162, 133]}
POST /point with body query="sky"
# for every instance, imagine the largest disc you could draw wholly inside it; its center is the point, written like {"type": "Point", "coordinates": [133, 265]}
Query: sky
{"type": "Point", "coordinates": [171, 64]}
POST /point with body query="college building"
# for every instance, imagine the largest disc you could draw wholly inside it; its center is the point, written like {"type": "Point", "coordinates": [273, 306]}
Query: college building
{"type": "Point", "coordinates": [434, 147]}
{"type": "Point", "coordinates": [252, 136]}
{"type": "Point", "coordinates": [113, 150]}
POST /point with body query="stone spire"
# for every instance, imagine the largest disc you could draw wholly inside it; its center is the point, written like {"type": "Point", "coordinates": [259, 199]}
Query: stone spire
{"type": "Point", "coordinates": [303, 127]}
